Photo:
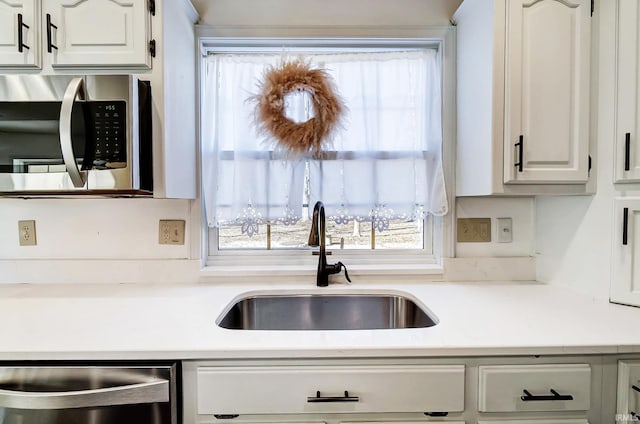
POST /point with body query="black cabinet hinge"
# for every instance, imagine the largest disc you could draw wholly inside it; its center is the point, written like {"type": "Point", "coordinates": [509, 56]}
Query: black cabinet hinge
{"type": "Point", "coordinates": [589, 169]}
{"type": "Point", "coordinates": [593, 6]}
{"type": "Point", "coordinates": [225, 416]}
{"type": "Point", "coordinates": [152, 48]}
{"type": "Point", "coordinates": [152, 7]}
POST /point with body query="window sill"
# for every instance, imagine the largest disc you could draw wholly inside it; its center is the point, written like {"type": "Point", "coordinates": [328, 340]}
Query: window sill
{"type": "Point", "coordinates": [449, 269]}
{"type": "Point", "coordinates": [299, 270]}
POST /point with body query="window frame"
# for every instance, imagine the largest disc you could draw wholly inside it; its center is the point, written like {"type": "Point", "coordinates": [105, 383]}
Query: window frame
{"type": "Point", "coordinates": [427, 260]}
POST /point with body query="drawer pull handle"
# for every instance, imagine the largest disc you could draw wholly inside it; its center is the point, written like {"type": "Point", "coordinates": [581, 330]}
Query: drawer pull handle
{"type": "Point", "coordinates": [636, 388]}
{"type": "Point", "coordinates": [326, 399]}
{"type": "Point", "coordinates": [553, 396]}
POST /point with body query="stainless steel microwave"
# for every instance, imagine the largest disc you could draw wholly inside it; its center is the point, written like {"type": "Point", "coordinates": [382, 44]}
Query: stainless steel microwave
{"type": "Point", "coordinates": [75, 135]}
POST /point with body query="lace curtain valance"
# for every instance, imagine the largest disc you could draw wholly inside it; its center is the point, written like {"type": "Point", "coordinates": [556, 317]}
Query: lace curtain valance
{"type": "Point", "coordinates": [384, 163]}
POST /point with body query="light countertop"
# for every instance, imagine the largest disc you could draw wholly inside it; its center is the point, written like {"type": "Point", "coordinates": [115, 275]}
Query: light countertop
{"type": "Point", "coordinates": [136, 321]}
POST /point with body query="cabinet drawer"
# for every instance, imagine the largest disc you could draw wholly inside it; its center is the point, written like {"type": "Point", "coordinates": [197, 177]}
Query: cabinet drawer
{"type": "Point", "coordinates": [502, 388]}
{"type": "Point", "coordinates": [230, 390]}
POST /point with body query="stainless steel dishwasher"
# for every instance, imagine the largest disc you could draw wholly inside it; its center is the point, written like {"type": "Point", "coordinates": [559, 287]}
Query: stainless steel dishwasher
{"type": "Point", "coordinates": [88, 394]}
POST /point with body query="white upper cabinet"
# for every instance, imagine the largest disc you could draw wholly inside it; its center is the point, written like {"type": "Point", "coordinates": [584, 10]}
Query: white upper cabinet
{"type": "Point", "coordinates": [75, 34]}
{"type": "Point", "coordinates": [547, 91]}
{"type": "Point", "coordinates": [627, 164]}
{"type": "Point", "coordinates": [19, 33]}
{"type": "Point", "coordinates": [97, 33]}
{"type": "Point", "coordinates": [523, 96]}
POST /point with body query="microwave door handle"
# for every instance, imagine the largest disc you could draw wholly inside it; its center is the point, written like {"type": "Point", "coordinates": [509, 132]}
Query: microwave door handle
{"type": "Point", "coordinates": [75, 89]}
{"type": "Point", "coordinates": [148, 392]}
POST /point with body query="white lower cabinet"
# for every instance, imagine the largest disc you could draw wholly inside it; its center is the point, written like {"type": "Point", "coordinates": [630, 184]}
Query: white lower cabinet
{"type": "Point", "coordinates": [628, 408]}
{"type": "Point", "coordinates": [473, 390]}
{"type": "Point", "coordinates": [330, 389]}
{"type": "Point", "coordinates": [517, 388]}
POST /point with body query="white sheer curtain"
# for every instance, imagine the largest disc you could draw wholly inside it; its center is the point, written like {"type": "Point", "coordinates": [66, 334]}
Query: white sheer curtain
{"type": "Point", "coordinates": [384, 163]}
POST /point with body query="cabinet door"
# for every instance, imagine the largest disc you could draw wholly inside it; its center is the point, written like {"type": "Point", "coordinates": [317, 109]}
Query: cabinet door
{"type": "Point", "coordinates": [547, 91]}
{"type": "Point", "coordinates": [625, 281]}
{"type": "Point", "coordinates": [627, 164]}
{"type": "Point", "coordinates": [628, 409]}
{"type": "Point", "coordinates": [19, 34]}
{"type": "Point", "coordinates": [97, 33]}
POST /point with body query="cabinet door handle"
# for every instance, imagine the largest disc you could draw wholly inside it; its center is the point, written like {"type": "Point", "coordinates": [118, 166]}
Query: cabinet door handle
{"type": "Point", "coordinates": [21, 25]}
{"type": "Point", "coordinates": [636, 388]}
{"type": "Point", "coordinates": [520, 146]}
{"type": "Point", "coordinates": [627, 151]}
{"type": "Point", "coordinates": [625, 227]}
{"type": "Point", "coordinates": [553, 396]}
{"type": "Point", "coordinates": [50, 45]}
{"type": "Point", "coordinates": [328, 399]}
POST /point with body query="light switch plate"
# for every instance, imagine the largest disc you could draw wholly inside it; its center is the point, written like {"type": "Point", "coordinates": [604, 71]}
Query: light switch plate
{"type": "Point", "coordinates": [504, 230]}
{"type": "Point", "coordinates": [476, 230]}
{"type": "Point", "coordinates": [171, 231]}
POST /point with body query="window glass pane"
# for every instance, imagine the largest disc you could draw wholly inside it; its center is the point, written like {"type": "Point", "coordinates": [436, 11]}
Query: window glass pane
{"type": "Point", "coordinates": [393, 133]}
{"type": "Point", "coordinates": [401, 234]}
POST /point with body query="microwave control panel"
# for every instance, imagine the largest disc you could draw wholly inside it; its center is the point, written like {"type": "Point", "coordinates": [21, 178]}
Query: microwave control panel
{"type": "Point", "coordinates": [110, 134]}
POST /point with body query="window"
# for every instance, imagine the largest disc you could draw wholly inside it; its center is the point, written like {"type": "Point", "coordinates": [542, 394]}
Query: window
{"type": "Point", "coordinates": [381, 180]}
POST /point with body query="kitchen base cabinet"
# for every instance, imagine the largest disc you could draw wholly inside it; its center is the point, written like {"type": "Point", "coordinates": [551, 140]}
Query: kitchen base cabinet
{"type": "Point", "coordinates": [330, 389]}
{"type": "Point", "coordinates": [628, 408]}
{"type": "Point", "coordinates": [520, 388]}
{"type": "Point", "coordinates": [523, 390]}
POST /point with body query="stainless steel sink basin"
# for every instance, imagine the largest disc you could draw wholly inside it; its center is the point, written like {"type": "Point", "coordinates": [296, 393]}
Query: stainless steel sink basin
{"type": "Point", "coordinates": [325, 312]}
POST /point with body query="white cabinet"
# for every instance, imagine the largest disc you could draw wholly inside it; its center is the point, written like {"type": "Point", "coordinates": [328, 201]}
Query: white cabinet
{"type": "Point", "coordinates": [76, 34]}
{"type": "Point", "coordinates": [336, 392]}
{"type": "Point", "coordinates": [628, 408]}
{"type": "Point", "coordinates": [547, 91]}
{"type": "Point", "coordinates": [19, 33]}
{"type": "Point", "coordinates": [627, 157]}
{"type": "Point", "coordinates": [99, 33]}
{"type": "Point", "coordinates": [396, 391]}
{"type": "Point", "coordinates": [330, 389]}
{"type": "Point", "coordinates": [523, 96]}
{"type": "Point", "coordinates": [520, 388]}
{"type": "Point", "coordinates": [625, 279]}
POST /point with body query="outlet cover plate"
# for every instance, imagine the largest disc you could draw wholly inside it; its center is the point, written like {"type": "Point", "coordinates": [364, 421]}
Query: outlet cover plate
{"type": "Point", "coordinates": [27, 232]}
{"type": "Point", "coordinates": [171, 231]}
{"type": "Point", "coordinates": [476, 230]}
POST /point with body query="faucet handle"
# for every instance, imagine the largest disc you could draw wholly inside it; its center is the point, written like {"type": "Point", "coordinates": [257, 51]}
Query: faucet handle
{"type": "Point", "coordinates": [341, 266]}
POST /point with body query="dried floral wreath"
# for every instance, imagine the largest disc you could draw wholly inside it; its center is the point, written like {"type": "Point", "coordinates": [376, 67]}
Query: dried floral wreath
{"type": "Point", "coordinates": [304, 137]}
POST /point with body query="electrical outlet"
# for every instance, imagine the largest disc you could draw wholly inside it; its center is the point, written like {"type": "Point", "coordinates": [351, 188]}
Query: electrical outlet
{"type": "Point", "coordinates": [474, 230]}
{"type": "Point", "coordinates": [27, 233]}
{"type": "Point", "coordinates": [171, 231]}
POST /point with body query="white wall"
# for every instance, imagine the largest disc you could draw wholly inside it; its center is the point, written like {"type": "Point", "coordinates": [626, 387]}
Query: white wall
{"type": "Point", "coordinates": [521, 212]}
{"type": "Point", "coordinates": [574, 234]}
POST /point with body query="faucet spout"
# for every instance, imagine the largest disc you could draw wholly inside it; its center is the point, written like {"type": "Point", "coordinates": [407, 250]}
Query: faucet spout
{"type": "Point", "coordinates": [317, 238]}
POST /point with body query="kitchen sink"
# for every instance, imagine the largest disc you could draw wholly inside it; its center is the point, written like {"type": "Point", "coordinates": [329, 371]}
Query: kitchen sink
{"type": "Point", "coordinates": [325, 312]}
